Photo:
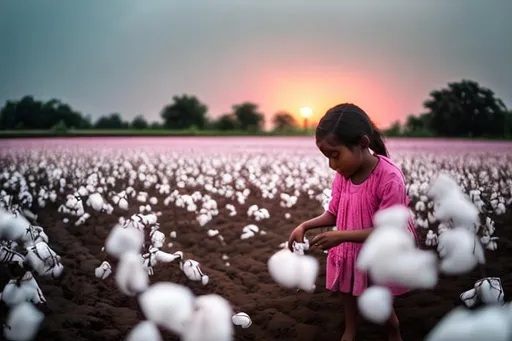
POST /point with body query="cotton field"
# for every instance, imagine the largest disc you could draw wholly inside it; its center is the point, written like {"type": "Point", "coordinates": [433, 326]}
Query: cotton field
{"type": "Point", "coordinates": [185, 239]}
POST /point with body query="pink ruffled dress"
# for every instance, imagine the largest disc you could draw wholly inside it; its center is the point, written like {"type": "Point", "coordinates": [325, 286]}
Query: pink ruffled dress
{"type": "Point", "coordinates": [354, 207]}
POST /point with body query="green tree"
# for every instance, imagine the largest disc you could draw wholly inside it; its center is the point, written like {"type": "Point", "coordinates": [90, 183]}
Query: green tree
{"type": "Point", "coordinates": [283, 121]}
{"type": "Point", "coordinates": [29, 113]}
{"type": "Point", "coordinates": [226, 122]}
{"type": "Point", "coordinates": [394, 130]}
{"type": "Point", "coordinates": [139, 122]}
{"type": "Point", "coordinates": [465, 109]}
{"type": "Point", "coordinates": [185, 112]}
{"type": "Point", "coordinates": [112, 121]}
{"type": "Point", "coordinates": [248, 116]}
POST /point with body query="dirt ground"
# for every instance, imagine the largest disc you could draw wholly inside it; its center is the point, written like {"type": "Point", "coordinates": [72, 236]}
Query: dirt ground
{"type": "Point", "coordinates": [82, 307]}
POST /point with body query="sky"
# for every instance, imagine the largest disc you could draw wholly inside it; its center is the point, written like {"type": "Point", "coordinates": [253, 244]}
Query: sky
{"type": "Point", "coordinates": [133, 56]}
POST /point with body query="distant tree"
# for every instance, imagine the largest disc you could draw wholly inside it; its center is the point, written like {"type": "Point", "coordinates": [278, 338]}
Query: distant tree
{"type": "Point", "coordinates": [29, 113]}
{"type": "Point", "coordinates": [139, 122]}
{"type": "Point", "coordinates": [394, 130]}
{"type": "Point", "coordinates": [156, 125]}
{"type": "Point", "coordinates": [284, 121]}
{"type": "Point", "coordinates": [226, 122]}
{"type": "Point", "coordinates": [112, 121]}
{"type": "Point", "coordinates": [248, 116]}
{"type": "Point", "coordinates": [465, 109]}
{"type": "Point", "coordinates": [185, 112]}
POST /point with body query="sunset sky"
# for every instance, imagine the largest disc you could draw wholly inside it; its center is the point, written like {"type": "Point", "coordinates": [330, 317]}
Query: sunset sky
{"type": "Point", "coordinates": [132, 56]}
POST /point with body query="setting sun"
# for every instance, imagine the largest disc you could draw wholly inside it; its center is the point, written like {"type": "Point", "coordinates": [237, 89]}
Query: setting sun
{"type": "Point", "coordinates": [306, 112]}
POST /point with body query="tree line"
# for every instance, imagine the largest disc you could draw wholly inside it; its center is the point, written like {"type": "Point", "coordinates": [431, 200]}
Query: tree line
{"type": "Point", "coordinates": [461, 109]}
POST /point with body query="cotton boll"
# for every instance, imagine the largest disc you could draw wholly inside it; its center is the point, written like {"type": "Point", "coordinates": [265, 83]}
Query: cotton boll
{"type": "Point", "coordinates": [490, 290]}
{"type": "Point", "coordinates": [469, 298]}
{"type": "Point", "coordinates": [307, 273]}
{"type": "Point", "coordinates": [131, 277]}
{"type": "Point", "coordinates": [489, 323]}
{"type": "Point", "coordinates": [43, 260]}
{"type": "Point", "coordinates": [412, 268]}
{"type": "Point", "coordinates": [282, 266]}
{"type": "Point", "coordinates": [103, 271]}
{"type": "Point", "coordinates": [23, 322]}
{"type": "Point", "coordinates": [376, 304]}
{"type": "Point", "coordinates": [121, 240]}
{"type": "Point", "coordinates": [165, 257]}
{"type": "Point", "coordinates": [192, 270]}
{"type": "Point", "coordinates": [460, 251]}
{"type": "Point", "coordinates": [169, 305]}
{"type": "Point", "coordinates": [95, 200]}
{"type": "Point", "coordinates": [394, 216]}
{"type": "Point", "coordinates": [241, 319]}
{"type": "Point", "coordinates": [211, 320]}
{"type": "Point", "coordinates": [383, 240]}
{"type": "Point", "coordinates": [144, 331]}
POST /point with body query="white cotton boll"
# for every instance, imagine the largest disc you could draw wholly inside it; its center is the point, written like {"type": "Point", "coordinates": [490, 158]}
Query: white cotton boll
{"type": "Point", "coordinates": [157, 239]}
{"type": "Point", "coordinates": [442, 186]}
{"type": "Point", "coordinates": [172, 234]}
{"type": "Point", "coordinates": [103, 271]}
{"type": "Point", "coordinates": [212, 233]}
{"type": "Point", "coordinates": [307, 273]}
{"type": "Point", "coordinates": [153, 200]}
{"type": "Point", "coordinates": [490, 290]}
{"type": "Point", "coordinates": [121, 240]}
{"type": "Point", "coordinates": [241, 319]}
{"type": "Point", "coordinates": [282, 266]}
{"type": "Point", "coordinates": [469, 297]}
{"type": "Point", "coordinates": [165, 257]}
{"type": "Point", "coordinates": [460, 251]}
{"type": "Point", "coordinates": [247, 235]}
{"type": "Point", "coordinates": [43, 260]}
{"type": "Point", "coordinates": [411, 268]}
{"type": "Point", "coordinates": [123, 204]}
{"type": "Point", "coordinates": [169, 305]}
{"type": "Point", "coordinates": [211, 320]}
{"type": "Point", "coordinates": [65, 220]}
{"type": "Point", "coordinates": [489, 323]}
{"type": "Point", "coordinates": [192, 270]}
{"type": "Point", "coordinates": [394, 216]}
{"type": "Point", "coordinates": [383, 240]}
{"type": "Point", "coordinates": [144, 331]}
{"type": "Point", "coordinates": [457, 208]}
{"type": "Point", "coordinates": [12, 227]}
{"type": "Point", "coordinates": [376, 304]}
{"type": "Point", "coordinates": [287, 216]}
{"type": "Point", "coordinates": [252, 228]}
{"type": "Point", "coordinates": [203, 219]}
{"type": "Point", "coordinates": [95, 201]}
{"type": "Point", "coordinates": [131, 277]}
{"type": "Point", "coordinates": [23, 322]}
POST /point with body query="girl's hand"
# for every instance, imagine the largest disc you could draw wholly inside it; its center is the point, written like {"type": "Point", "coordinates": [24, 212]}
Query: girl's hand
{"type": "Point", "coordinates": [326, 240]}
{"type": "Point", "coordinates": [297, 236]}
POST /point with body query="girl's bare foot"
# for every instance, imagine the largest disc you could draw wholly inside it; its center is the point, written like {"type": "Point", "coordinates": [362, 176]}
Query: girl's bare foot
{"type": "Point", "coordinates": [349, 335]}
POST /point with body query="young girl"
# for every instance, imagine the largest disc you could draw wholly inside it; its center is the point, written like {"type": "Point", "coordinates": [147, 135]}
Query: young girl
{"type": "Point", "coordinates": [365, 182]}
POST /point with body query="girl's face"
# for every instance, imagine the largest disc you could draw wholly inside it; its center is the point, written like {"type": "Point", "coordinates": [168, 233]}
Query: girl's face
{"type": "Point", "coordinates": [342, 159]}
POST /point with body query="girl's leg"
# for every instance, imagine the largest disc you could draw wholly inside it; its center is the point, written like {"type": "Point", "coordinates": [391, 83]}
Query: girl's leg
{"type": "Point", "coordinates": [350, 309]}
{"type": "Point", "coordinates": [393, 328]}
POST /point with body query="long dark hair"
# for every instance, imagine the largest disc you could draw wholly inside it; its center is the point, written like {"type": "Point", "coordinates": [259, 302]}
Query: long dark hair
{"type": "Point", "coordinates": [347, 123]}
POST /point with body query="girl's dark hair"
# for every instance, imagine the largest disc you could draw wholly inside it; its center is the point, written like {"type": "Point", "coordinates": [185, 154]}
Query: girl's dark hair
{"type": "Point", "coordinates": [347, 124]}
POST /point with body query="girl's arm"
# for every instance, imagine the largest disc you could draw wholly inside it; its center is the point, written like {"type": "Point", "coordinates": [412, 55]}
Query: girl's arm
{"type": "Point", "coordinates": [326, 219]}
{"type": "Point", "coordinates": [355, 236]}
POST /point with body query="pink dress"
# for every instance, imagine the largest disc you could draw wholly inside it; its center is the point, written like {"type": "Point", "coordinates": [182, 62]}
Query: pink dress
{"type": "Point", "coordinates": [354, 207]}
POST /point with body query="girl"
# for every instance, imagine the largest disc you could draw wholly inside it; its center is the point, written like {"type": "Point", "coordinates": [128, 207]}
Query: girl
{"type": "Point", "coordinates": [365, 182]}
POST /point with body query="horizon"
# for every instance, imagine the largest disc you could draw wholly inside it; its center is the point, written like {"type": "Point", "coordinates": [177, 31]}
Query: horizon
{"type": "Point", "coordinates": [132, 58]}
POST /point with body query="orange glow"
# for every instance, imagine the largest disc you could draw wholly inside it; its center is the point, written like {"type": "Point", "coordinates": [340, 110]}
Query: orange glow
{"type": "Point", "coordinates": [323, 89]}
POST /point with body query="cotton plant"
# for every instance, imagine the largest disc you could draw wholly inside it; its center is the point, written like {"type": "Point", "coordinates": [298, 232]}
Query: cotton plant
{"type": "Point", "coordinates": [25, 247]}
